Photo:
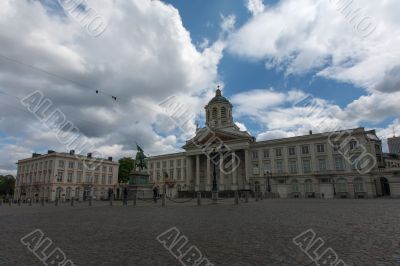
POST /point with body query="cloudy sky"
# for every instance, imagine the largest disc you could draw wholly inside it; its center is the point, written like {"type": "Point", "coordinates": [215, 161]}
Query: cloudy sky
{"type": "Point", "coordinates": [270, 57]}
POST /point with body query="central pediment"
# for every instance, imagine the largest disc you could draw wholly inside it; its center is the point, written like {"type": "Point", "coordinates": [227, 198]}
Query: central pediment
{"type": "Point", "coordinates": [206, 136]}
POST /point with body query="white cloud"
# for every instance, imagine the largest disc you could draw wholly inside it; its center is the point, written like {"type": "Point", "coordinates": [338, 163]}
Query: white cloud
{"type": "Point", "coordinates": [299, 36]}
{"type": "Point", "coordinates": [144, 56]}
{"type": "Point", "coordinates": [228, 23]}
{"type": "Point", "coordinates": [241, 126]}
{"type": "Point", "coordinates": [255, 7]}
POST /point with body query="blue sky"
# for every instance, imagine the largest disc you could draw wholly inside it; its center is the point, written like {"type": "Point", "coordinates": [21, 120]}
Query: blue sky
{"type": "Point", "coordinates": [267, 55]}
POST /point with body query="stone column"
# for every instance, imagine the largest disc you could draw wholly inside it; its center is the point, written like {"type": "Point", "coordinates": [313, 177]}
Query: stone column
{"type": "Point", "coordinates": [175, 169]}
{"type": "Point", "coordinates": [197, 188]}
{"type": "Point", "coordinates": [247, 168]}
{"type": "Point", "coordinates": [234, 172]}
{"type": "Point", "coordinates": [188, 172]}
{"type": "Point", "coordinates": [208, 174]}
{"type": "Point", "coordinates": [221, 172]}
{"type": "Point", "coordinates": [182, 170]}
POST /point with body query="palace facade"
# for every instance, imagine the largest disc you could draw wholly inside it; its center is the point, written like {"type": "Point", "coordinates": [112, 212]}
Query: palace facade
{"type": "Point", "coordinates": [346, 164]}
{"type": "Point", "coordinates": [65, 176]}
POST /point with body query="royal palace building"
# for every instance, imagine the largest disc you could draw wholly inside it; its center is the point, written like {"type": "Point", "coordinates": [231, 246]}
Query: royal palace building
{"type": "Point", "coordinates": [343, 164]}
{"type": "Point", "coordinates": [64, 176]}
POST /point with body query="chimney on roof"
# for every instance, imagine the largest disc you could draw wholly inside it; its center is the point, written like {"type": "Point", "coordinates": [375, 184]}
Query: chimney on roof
{"type": "Point", "coordinates": [34, 155]}
{"type": "Point", "coordinates": [110, 159]}
{"type": "Point", "coordinates": [89, 155]}
{"type": "Point", "coordinates": [50, 151]}
{"type": "Point", "coordinates": [310, 132]}
{"type": "Point", "coordinates": [72, 152]}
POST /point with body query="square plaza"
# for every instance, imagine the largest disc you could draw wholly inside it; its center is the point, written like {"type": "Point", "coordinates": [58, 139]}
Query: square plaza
{"type": "Point", "coordinates": [361, 232]}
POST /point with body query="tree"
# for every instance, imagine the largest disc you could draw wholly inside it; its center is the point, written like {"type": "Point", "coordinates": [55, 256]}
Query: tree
{"type": "Point", "coordinates": [126, 165]}
{"type": "Point", "coordinates": [7, 185]}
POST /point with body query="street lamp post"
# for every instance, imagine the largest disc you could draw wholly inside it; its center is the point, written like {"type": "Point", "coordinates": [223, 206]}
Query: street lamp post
{"type": "Point", "coordinates": [268, 175]}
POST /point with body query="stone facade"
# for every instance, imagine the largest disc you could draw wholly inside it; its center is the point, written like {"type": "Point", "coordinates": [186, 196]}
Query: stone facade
{"type": "Point", "coordinates": [344, 164]}
{"type": "Point", "coordinates": [65, 176]}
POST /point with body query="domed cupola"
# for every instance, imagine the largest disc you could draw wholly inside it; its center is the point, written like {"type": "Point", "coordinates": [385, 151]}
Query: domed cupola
{"type": "Point", "coordinates": [219, 111]}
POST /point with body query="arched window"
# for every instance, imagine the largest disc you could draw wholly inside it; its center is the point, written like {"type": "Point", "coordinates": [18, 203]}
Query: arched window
{"type": "Point", "coordinates": [58, 192]}
{"type": "Point", "coordinates": [358, 185]}
{"type": "Point", "coordinates": [295, 186]}
{"type": "Point", "coordinates": [68, 193]}
{"type": "Point", "coordinates": [308, 186]}
{"type": "Point", "coordinates": [342, 185]}
{"type": "Point", "coordinates": [77, 192]}
{"type": "Point", "coordinates": [223, 112]}
{"type": "Point", "coordinates": [215, 113]}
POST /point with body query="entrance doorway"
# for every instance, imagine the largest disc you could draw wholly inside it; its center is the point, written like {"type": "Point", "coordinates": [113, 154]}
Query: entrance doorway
{"type": "Point", "coordinates": [385, 187]}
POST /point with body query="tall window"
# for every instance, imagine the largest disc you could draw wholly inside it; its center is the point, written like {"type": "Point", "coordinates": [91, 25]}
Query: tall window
{"type": "Point", "coordinates": [255, 154]}
{"type": "Point", "coordinates": [58, 192]}
{"type": "Point", "coordinates": [110, 179]}
{"type": "Point", "coordinates": [79, 178]}
{"type": "Point", "coordinates": [266, 153]}
{"type": "Point", "coordinates": [103, 179]}
{"type": "Point", "coordinates": [278, 152]}
{"type": "Point", "coordinates": [223, 112]}
{"type": "Point", "coordinates": [68, 193]}
{"type": "Point", "coordinates": [71, 165]}
{"type": "Point", "coordinates": [279, 167]}
{"type": "Point", "coordinates": [267, 167]}
{"type": "Point", "coordinates": [61, 164]}
{"type": "Point", "coordinates": [307, 166]}
{"type": "Point", "coordinates": [308, 186]}
{"type": "Point", "coordinates": [292, 151]}
{"type": "Point", "coordinates": [215, 113]}
{"type": "Point", "coordinates": [256, 169]}
{"type": "Point", "coordinates": [341, 185]}
{"type": "Point", "coordinates": [60, 176]}
{"type": "Point", "coordinates": [353, 144]}
{"type": "Point", "coordinates": [305, 149]}
{"type": "Point", "coordinates": [96, 178]}
{"type": "Point", "coordinates": [293, 167]}
{"type": "Point", "coordinates": [295, 186]}
{"type": "Point", "coordinates": [320, 147]}
{"type": "Point", "coordinates": [69, 178]}
{"type": "Point", "coordinates": [158, 174]}
{"type": "Point", "coordinates": [358, 185]}
{"type": "Point", "coordinates": [339, 163]}
{"type": "Point", "coordinates": [322, 164]}
{"type": "Point", "coordinates": [87, 180]}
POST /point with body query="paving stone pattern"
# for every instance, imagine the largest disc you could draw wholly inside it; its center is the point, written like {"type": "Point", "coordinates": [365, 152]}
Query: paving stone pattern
{"type": "Point", "coordinates": [362, 232]}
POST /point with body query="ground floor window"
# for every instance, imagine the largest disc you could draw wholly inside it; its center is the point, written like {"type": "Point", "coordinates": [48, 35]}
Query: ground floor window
{"type": "Point", "coordinates": [77, 192]}
{"type": "Point", "coordinates": [58, 192]}
{"type": "Point", "coordinates": [308, 186]}
{"type": "Point", "coordinates": [68, 193]}
{"type": "Point", "coordinates": [295, 186]}
{"type": "Point", "coordinates": [342, 186]}
{"type": "Point", "coordinates": [358, 185]}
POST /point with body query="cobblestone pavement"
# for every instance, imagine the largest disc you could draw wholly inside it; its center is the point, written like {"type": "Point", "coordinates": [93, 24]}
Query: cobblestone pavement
{"type": "Point", "coordinates": [362, 232]}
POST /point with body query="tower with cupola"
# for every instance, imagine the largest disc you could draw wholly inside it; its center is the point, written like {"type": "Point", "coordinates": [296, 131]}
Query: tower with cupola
{"type": "Point", "coordinates": [219, 112]}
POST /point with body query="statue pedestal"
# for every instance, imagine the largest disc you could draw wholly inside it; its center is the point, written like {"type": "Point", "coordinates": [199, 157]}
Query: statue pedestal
{"type": "Point", "coordinates": [139, 184]}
